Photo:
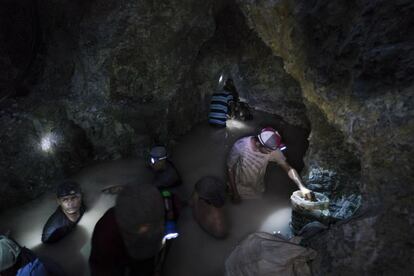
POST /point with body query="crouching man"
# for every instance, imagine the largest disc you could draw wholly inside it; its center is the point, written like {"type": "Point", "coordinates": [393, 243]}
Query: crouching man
{"type": "Point", "coordinates": [128, 238]}
{"type": "Point", "coordinates": [248, 160]}
{"type": "Point", "coordinates": [165, 173]}
{"type": "Point", "coordinates": [68, 213]}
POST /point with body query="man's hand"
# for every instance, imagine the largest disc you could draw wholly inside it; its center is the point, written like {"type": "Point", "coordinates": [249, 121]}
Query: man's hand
{"type": "Point", "coordinates": [308, 194]}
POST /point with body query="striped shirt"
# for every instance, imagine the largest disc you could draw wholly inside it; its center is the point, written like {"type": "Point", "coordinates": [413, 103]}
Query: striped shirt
{"type": "Point", "coordinates": [219, 107]}
{"type": "Point", "coordinates": [250, 167]}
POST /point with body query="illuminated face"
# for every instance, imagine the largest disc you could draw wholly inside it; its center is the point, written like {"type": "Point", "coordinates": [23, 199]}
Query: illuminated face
{"type": "Point", "coordinates": [70, 204]}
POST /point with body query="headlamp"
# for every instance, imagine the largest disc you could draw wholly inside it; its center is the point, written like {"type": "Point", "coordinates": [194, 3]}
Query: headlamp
{"type": "Point", "coordinates": [170, 230]}
{"type": "Point", "coordinates": [155, 159]}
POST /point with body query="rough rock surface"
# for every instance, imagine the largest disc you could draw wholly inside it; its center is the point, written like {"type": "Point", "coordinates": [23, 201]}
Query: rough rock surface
{"type": "Point", "coordinates": [354, 61]}
{"type": "Point", "coordinates": [111, 77]}
{"type": "Point", "coordinates": [39, 146]}
{"type": "Point", "coordinates": [237, 52]}
{"type": "Point", "coordinates": [115, 70]}
{"type": "Point", "coordinates": [130, 74]}
{"type": "Point", "coordinates": [332, 166]}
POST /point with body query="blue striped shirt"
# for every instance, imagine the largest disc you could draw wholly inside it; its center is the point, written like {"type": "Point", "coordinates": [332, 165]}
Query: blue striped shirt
{"type": "Point", "coordinates": [219, 107]}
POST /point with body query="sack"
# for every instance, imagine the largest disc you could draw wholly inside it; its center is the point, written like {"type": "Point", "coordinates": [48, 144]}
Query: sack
{"type": "Point", "coordinates": [263, 254]}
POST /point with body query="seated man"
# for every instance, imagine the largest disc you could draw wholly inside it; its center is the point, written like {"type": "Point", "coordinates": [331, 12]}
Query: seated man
{"type": "Point", "coordinates": [207, 202]}
{"type": "Point", "coordinates": [68, 213]}
{"type": "Point", "coordinates": [247, 164]}
{"type": "Point", "coordinates": [160, 169]}
{"type": "Point", "coordinates": [129, 236]}
{"type": "Point", "coordinates": [222, 104]}
{"type": "Point", "coordinates": [165, 173]}
{"type": "Point", "coordinates": [20, 261]}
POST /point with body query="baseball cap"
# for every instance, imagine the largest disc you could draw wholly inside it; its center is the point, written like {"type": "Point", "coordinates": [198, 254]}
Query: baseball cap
{"type": "Point", "coordinates": [158, 153]}
{"type": "Point", "coordinates": [68, 187]}
{"type": "Point", "coordinates": [270, 138]}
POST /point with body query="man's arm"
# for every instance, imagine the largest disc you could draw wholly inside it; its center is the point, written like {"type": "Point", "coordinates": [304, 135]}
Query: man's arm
{"type": "Point", "coordinates": [232, 160]}
{"type": "Point", "coordinates": [293, 174]}
{"type": "Point", "coordinates": [235, 197]}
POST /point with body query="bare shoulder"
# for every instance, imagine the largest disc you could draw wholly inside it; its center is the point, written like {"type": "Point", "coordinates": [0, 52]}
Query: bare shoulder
{"type": "Point", "coordinates": [278, 156]}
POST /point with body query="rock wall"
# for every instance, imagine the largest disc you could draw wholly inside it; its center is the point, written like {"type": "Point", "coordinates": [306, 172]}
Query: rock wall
{"type": "Point", "coordinates": [126, 74]}
{"type": "Point", "coordinates": [111, 77]}
{"type": "Point", "coordinates": [236, 51]}
{"type": "Point", "coordinates": [112, 74]}
{"type": "Point", "coordinates": [354, 61]}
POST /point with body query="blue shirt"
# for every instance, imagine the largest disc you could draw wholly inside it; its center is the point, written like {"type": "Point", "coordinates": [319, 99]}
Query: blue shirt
{"type": "Point", "coordinates": [219, 107]}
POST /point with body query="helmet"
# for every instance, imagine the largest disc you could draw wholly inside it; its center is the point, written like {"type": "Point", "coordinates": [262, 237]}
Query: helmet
{"type": "Point", "coordinates": [158, 153]}
{"type": "Point", "coordinates": [68, 187]}
{"type": "Point", "coordinates": [270, 139]}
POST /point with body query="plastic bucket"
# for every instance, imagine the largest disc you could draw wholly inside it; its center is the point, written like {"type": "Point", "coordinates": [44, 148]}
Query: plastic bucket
{"type": "Point", "coordinates": [299, 203]}
{"type": "Point", "coordinates": [306, 211]}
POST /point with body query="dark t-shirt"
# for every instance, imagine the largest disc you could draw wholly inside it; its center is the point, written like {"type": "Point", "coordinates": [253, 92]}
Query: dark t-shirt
{"type": "Point", "coordinates": [109, 256]}
{"type": "Point", "coordinates": [58, 226]}
{"type": "Point", "coordinates": [168, 177]}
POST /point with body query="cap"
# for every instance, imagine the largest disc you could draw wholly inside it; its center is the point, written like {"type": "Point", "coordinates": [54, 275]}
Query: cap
{"type": "Point", "coordinates": [270, 138]}
{"type": "Point", "coordinates": [9, 251]}
{"type": "Point", "coordinates": [158, 152]}
{"type": "Point", "coordinates": [212, 190]}
{"type": "Point", "coordinates": [68, 187]}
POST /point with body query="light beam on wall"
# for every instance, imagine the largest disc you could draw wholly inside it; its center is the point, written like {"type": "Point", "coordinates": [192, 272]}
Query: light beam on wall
{"type": "Point", "coordinates": [48, 142]}
{"type": "Point", "coordinates": [235, 124]}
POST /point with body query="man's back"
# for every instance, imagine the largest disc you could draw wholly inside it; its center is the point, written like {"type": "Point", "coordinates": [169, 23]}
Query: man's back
{"type": "Point", "coordinates": [250, 166]}
{"type": "Point", "coordinates": [220, 107]}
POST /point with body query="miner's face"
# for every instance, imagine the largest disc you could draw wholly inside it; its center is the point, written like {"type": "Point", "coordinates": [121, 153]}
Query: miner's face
{"type": "Point", "coordinates": [70, 204]}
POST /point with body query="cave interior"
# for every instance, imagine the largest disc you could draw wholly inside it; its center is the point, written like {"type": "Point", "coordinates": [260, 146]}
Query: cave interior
{"type": "Point", "coordinates": [88, 86]}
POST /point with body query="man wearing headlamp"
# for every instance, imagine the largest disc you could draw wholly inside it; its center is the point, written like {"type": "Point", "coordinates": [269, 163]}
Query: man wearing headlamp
{"type": "Point", "coordinates": [165, 173]}
{"type": "Point", "coordinates": [247, 164]}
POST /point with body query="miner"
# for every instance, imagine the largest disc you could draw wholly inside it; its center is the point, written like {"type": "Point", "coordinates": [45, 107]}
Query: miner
{"type": "Point", "coordinates": [68, 213]}
{"type": "Point", "coordinates": [247, 163]}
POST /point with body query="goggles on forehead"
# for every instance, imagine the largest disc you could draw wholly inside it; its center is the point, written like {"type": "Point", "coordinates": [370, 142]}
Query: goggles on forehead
{"type": "Point", "coordinates": [156, 159]}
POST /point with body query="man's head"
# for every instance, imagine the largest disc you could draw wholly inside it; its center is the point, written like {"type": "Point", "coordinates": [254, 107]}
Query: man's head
{"type": "Point", "coordinates": [229, 85]}
{"type": "Point", "coordinates": [139, 212]}
{"type": "Point", "coordinates": [269, 140]}
{"type": "Point", "coordinates": [9, 252]}
{"type": "Point", "coordinates": [69, 197]}
{"type": "Point", "coordinates": [158, 157]}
